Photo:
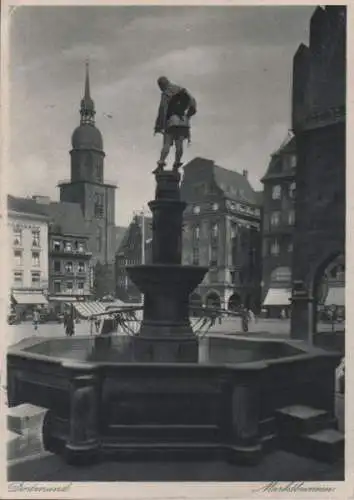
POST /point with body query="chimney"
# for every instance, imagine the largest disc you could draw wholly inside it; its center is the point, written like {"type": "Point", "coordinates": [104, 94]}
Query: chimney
{"type": "Point", "coordinates": [245, 173]}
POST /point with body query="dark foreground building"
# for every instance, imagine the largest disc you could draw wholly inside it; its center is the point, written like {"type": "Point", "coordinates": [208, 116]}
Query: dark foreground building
{"type": "Point", "coordinates": [278, 219]}
{"type": "Point", "coordinates": [319, 121]}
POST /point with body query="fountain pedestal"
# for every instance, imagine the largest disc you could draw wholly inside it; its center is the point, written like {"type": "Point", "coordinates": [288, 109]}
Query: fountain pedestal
{"type": "Point", "coordinates": [166, 334]}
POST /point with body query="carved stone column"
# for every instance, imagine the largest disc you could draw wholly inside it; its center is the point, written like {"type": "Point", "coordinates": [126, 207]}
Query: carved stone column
{"type": "Point", "coordinates": [245, 400]}
{"type": "Point", "coordinates": [302, 315]}
{"type": "Point", "coordinates": [83, 445]}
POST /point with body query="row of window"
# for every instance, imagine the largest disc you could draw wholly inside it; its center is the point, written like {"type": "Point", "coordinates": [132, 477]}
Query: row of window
{"type": "Point", "coordinates": [277, 216]}
{"type": "Point", "coordinates": [35, 278]}
{"type": "Point", "coordinates": [274, 248]}
{"type": "Point", "coordinates": [68, 246]}
{"type": "Point", "coordinates": [18, 237]}
{"type": "Point", "coordinates": [67, 286]}
{"type": "Point", "coordinates": [214, 207]}
{"type": "Point", "coordinates": [277, 191]}
{"type": "Point", "coordinates": [18, 258]}
{"type": "Point", "coordinates": [69, 267]}
{"type": "Point", "coordinates": [214, 232]}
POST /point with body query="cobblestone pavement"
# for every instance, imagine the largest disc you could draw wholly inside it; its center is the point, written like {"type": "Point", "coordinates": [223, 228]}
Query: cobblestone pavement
{"type": "Point", "coordinates": [277, 466]}
{"type": "Point", "coordinates": [279, 327]}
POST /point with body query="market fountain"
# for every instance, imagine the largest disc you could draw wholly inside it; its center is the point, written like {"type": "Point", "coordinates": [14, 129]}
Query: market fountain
{"type": "Point", "coordinates": [165, 392]}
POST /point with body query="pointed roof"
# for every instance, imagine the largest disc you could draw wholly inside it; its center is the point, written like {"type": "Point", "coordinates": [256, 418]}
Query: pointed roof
{"type": "Point", "coordinates": [87, 110]}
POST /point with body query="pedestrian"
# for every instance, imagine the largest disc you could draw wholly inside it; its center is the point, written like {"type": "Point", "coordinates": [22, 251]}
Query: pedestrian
{"type": "Point", "coordinates": [36, 318]}
{"type": "Point", "coordinates": [97, 324]}
{"type": "Point", "coordinates": [245, 320]}
{"type": "Point", "coordinates": [70, 326]}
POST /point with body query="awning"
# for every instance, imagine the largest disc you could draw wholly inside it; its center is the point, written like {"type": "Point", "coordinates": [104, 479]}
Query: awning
{"type": "Point", "coordinates": [89, 308]}
{"type": "Point", "coordinates": [335, 297]}
{"type": "Point", "coordinates": [277, 297]}
{"type": "Point", "coordinates": [35, 298]}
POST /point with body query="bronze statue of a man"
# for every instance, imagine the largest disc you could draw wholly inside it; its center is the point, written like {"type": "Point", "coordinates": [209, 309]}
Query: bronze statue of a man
{"type": "Point", "coordinates": [177, 106]}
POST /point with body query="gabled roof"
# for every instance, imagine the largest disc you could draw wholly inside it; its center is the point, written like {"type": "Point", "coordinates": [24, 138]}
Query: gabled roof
{"type": "Point", "coordinates": [234, 185]}
{"type": "Point", "coordinates": [63, 217]}
{"type": "Point", "coordinates": [68, 217]}
{"type": "Point", "coordinates": [25, 206]}
{"type": "Point", "coordinates": [132, 234]}
{"type": "Point", "coordinates": [275, 166]}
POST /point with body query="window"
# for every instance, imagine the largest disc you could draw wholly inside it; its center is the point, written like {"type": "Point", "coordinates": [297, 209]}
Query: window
{"type": "Point", "coordinates": [292, 161]}
{"type": "Point", "coordinates": [292, 190]}
{"type": "Point", "coordinates": [196, 233]}
{"type": "Point", "coordinates": [213, 256]}
{"type": "Point", "coordinates": [290, 247]}
{"type": "Point", "coordinates": [17, 232]}
{"type": "Point", "coordinates": [291, 217]}
{"type": "Point", "coordinates": [214, 231]}
{"type": "Point", "coordinates": [281, 274]}
{"type": "Point", "coordinates": [69, 286]}
{"type": "Point", "coordinates": [215, 206]}
{"type": "Point", "coordinates": [57, 266]}
{"type": "Point", "coordinates": [275, 249]}
{"type": "Point", "coordinates": [68, 246]}
{"type": "Point", "coordinates": [99, 239]}
{"type": "Point", "coordinates": [80, 246]}
{"type": "Point", "coordinates": [35, 237]}
{"type": "Point", "coordinates": [57, 286]}
{"type": "Point", "coordinates": [35, 259]}
{"type": "Point", "coordinates": [80, 285]}
{"type": "Point", "coordinates": [276, 192]}
{"type": "Point", "coordinates": [99, 205]}
{"type": "Point", "coordinates": [35, 278]}
{"type": "Point", "coordinates": [275, 219]}
{"type": "Point", "coordinates": [18, 257]}
{"type": "Point", "coordinates": [81, 267]}
{"type": "Point", "coordinates": [18, 278]}
{"type": "Point", "coordinates": [196, 209]}
{"type": "Point", "coordinates": [234, 230]}
{"type": "Point", "coordinates": [68, 267]}
{"type": "Point", "coordinates": [56, 245]}
{"type": "Point", "coordinates": [195, 256]}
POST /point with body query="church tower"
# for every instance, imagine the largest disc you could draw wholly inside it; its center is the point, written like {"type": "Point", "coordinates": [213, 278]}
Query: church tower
{"type": "Point", "coordinates": [86, 185]}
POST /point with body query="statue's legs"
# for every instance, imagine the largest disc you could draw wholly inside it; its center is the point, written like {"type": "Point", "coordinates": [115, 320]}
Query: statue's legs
{"type": "Point", "coordinates": [166, 146]}
{"type": "Point", "coordinates": [179, 152]}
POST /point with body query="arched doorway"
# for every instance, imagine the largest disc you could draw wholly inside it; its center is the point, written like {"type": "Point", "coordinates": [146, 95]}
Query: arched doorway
{"type": "Point", "coordinates": [329, 294]}
{"type": "Point", "coordinates": [213, 300]}
{"type": "Point", "coordinates": [235, 302]}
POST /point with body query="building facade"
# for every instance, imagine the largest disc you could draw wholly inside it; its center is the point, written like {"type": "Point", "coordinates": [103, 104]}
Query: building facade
{"type": "Point", "coordinates": [319, 125]}
{"type": "Point", "coordinates": [70, 261]}
{"type": "Point", "coordinates": [28, 254]}
{"type": "Point", "coordinates": [222, 230]}
{"type": "Point", "coordinates": [278, 221]}
{"type": "Point", "coordinates": [87, 186]}
{"type": "Point", "coordinates": [132, 252]}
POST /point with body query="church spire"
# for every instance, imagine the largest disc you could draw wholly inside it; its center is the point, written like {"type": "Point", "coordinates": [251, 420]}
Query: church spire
{"type": "Point", "coordinates": [87, 110]}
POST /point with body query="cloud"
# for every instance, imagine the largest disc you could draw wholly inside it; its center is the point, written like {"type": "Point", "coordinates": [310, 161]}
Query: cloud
{"type": "Point", "coordinates": [236, 61]}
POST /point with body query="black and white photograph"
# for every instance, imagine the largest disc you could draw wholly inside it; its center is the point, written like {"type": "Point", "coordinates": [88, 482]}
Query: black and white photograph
{"type": "Point", "coordinates": [175, 232]}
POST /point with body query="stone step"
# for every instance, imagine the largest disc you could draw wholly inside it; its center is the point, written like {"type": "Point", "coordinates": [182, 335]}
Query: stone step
{"type": "Point", "coordinates": [25, 418]}
{"type": "Point", "coordinates": [298, 419]}
{"type": "Point", "coordinates": [14, 444]}
{"type": "Point", "coordinates": [326, 445]}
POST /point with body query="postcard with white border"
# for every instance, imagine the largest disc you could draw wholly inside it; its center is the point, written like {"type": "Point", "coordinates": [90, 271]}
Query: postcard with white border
{"type": "Point", "coordinates": [175, 240]}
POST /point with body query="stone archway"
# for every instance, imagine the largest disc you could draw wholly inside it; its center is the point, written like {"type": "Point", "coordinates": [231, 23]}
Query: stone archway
{"type": "Point", "coordinates": [327, 288]}
{"type": "Point", "coordinates": [213, 300]}
{"type": "Point", "coordinates": [235, 302]}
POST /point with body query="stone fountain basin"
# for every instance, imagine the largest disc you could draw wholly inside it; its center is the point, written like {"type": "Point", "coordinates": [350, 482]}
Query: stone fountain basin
{"type": "Point", "coordinates": [222, 404]}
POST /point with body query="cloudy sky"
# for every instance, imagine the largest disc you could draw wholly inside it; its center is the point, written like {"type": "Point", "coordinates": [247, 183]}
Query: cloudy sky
{"type": "Point", "coordinates": [236, 61]}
